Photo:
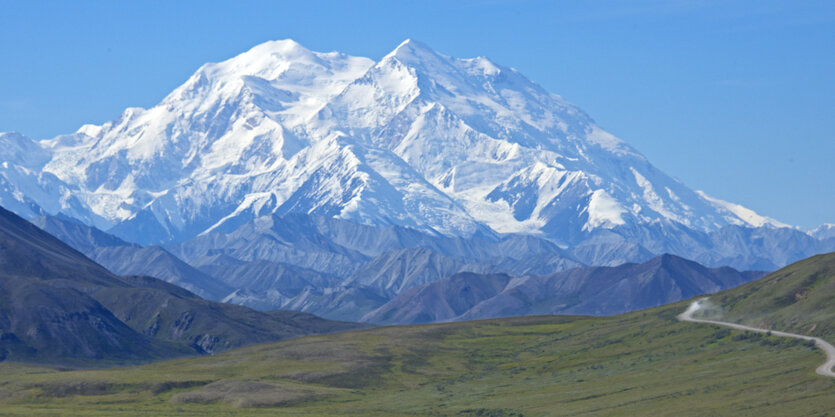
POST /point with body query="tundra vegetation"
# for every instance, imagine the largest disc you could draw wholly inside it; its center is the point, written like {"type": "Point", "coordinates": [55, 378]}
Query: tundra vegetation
{"type": "Point", "coordinates": [642, 363]}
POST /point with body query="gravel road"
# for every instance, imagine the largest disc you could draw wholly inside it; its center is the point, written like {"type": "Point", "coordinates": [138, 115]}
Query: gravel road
{"type": "Point", "coordinates": [828, 349]}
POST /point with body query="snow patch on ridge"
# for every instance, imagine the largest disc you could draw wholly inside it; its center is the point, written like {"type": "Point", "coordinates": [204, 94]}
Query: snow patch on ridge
{"type": "Point", "coordinates": [604, 212]}
{"type": "Point", "coordinates": [610, 142]}
{"type": "Point", "coordinates": [824, 231]}
{"type": "Point", "coordinates": [747, 215]}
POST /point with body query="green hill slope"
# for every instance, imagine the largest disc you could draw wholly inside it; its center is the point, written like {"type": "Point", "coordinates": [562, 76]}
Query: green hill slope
{"type": "Point", "coordinates": [643, 363]}
{"type": "Point", "coordinates": [799, 298]}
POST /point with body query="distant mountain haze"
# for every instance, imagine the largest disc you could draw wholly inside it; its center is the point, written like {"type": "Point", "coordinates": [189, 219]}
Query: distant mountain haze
{"type": "Point", "coordinates": [57, 306]}
{"type": "Point", "coordinates": [410, 285]}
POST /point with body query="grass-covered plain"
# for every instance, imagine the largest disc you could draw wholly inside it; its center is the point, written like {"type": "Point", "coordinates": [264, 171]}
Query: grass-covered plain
{"type": "Point", "coordinates": [643, 363]}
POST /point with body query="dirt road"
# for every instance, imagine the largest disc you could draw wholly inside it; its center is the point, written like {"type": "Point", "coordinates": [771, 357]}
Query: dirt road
{"type": "Point", "coordinates": [828, 349]}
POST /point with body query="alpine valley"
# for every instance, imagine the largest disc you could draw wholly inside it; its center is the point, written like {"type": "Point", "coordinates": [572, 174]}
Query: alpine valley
{"type": "Point", "coordinates": [337, 185]}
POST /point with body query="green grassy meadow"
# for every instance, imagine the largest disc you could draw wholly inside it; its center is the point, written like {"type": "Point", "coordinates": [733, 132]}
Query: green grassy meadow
{"type": "Point", "coordinates": [643, 363]}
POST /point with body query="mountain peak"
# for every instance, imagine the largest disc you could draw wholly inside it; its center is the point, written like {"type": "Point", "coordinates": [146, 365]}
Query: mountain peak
{"type": "Point", "coordinates": [666, 259]}
{"type": "Point", "coordinates": [266, 58]}
{"type": "Point", "coordinates": [271, 59]}
{"type": "Point", "coordinates": [411, 44]}
{"type": "Point", "coordinates": [824, 231]}
{"type": "Point", "coordinates": [284, 47]}
{"type": "Point", "coordinates": [412, 51]}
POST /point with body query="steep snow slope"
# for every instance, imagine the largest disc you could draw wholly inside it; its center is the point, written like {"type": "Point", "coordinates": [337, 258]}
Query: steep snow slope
{"type": "Point", "coordinates": [228, 137]}
{"type": "Point", "coordinates": [518, 158]}
{"type": "Point", "coordinates": [29, 191]}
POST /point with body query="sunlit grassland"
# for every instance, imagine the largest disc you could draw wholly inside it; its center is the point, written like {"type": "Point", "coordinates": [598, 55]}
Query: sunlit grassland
{"type": "Point", "coordinates": [644, 363]}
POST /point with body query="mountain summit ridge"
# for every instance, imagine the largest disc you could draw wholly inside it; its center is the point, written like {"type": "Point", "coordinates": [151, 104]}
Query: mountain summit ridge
{"type": "Point", "coordinates": [417, 139]}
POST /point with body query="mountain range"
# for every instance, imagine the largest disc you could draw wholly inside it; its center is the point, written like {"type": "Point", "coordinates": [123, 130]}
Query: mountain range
{"type": "Point", "coordinates": [59, 307]}
{"type": "Point", "coordinates": [398, 286]}
{"type": "Point", "coordinates": [579, 291]}
{"type": "Point", "coordinates": [329, 267]}
{"type": "Point", "coordinates": [382, 191]}
{"type": "Point", "coordinates": [454, 148]}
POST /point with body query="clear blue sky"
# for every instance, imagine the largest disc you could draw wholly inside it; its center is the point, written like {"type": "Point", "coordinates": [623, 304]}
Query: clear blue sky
{"type": "Point", "coordinates": [736, 98]}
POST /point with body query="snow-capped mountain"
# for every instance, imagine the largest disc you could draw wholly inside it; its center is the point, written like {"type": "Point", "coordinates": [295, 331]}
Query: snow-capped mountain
{"type": "Point", "coordinates": [28, 190]}
{"type": "Point", "coordinates": [448, 146]}
{"type": "Point", "coordinates": [824, 231]}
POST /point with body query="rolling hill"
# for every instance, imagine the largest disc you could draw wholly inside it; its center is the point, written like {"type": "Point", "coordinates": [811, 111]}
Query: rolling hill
{"type": "Point", "coordinates": [640, 363]}
{"type": "Point", "coordinates": [798, 298]}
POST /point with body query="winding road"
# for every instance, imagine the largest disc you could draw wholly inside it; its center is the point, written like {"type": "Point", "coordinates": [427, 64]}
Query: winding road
{"type": "Point", "coordinates": [828, 349]}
